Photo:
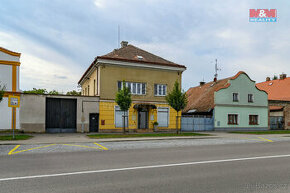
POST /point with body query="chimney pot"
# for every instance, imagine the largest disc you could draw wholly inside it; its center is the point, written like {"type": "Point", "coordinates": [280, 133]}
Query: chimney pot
{"type": "Point", "coordinates": [124, 44]}
{"type": "Point", "coordinates": [201, 83]}
{"type": "Point", "coordinates": [283, 76]}
{"type": "Point", "coordinates": [215, 79]}
{"type": "Point", "coordinates": [268, 79]}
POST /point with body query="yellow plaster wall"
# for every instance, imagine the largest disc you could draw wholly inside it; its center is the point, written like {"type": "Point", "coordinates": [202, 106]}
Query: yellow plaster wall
{"type": "Point", "coordinates": [110, 75]}
{"type": "Point", "coordinates": [107, 111]}
{"type": "Point", "coordinates": [90, 82]}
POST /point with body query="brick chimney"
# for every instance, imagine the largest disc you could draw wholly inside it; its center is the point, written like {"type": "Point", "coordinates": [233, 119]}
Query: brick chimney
{"type": "Point", "coordinates": [283, 76]}
{"type": "Point", "coordinates": [124, 44]}
{"type": "Point", "coordinates": [268, 78]}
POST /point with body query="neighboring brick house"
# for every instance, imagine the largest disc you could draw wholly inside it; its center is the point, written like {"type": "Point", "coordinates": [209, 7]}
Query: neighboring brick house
{"type": "Point", "coordinates": [149, 77]}
{"type": "Point", "coordinates": [235, 103]}
{"type": "Point", "coordinates": [279, 101]}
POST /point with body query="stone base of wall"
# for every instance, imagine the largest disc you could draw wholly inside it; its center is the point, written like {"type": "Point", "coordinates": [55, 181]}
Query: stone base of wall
{"type": "Point", "coordinates": [242, 129]}
{"type": "Point", "coordinates": [32, 127]}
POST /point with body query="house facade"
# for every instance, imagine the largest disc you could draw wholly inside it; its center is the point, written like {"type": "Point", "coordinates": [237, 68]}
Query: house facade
{"type": "Point", "coordinates": [149, 77]}
{"type": "Point", "coordinates": [279, 101]}
{"type": "Point", "coordinates": [234, 103]}
{"type": "Point", "coordinates": [9, 77]}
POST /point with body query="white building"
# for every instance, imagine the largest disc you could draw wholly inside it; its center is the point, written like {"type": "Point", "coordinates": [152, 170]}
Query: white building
{"type": "Point", "coordinates": [9, 77]}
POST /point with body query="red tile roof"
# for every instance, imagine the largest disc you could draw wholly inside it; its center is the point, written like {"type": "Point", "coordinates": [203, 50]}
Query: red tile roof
{"type": "Point", "coordinates": [276, 89]}
{"type": "Point", "coordinates": [273, 108]}
{"type": "Point", "coordinates": [201, 98]}
{"type": "Point", "coordinates": [131, 53]}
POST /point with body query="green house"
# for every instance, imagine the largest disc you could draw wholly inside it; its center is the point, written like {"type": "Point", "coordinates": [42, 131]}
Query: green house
{"type": "Point", "coordinates": [234, 103]}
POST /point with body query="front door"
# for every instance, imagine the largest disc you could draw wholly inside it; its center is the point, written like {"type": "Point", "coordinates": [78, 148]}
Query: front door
{"type": "Point", "coordinates": [94, 122]}
{"type": "Point", "coordinates": [143, 119]}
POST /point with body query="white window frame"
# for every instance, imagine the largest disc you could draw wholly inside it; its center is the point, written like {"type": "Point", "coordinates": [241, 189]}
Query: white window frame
{"type": "Point", "coordinates": [116, 106]}
{"type": "Point", "coordinates": [168, 121]}
{"type": "Point", "coordinates": [237, 97]}
{"type": "Point", "coordinates": [258, 121]}
{"type": "Point", "coordinates": [252, 98]}
{"type": "Point", "coordinates": [136, 90]}
{"type": "Point", "coordinates": [238, 120]}
{"type": "Point", "coordinates": [160, 87]}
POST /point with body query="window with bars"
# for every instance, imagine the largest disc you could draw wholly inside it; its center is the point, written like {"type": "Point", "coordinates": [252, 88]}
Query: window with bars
{"type": "Point", "coordinates": [253, 119]}
{"type": "Point", "coordinates": [250, 98]}
{"type": "Point", "coordinates": [136, 88]}
{"type": "Point", "coordinates": [160, 89]}
{"type": "Point", "coordinates": [232, 119]}
{"type": "Point", "coordinates": [235, 97]}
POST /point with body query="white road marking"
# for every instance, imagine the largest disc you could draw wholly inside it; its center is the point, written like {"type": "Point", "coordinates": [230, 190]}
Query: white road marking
{"type": "Point", "coordinates": [143, 167]}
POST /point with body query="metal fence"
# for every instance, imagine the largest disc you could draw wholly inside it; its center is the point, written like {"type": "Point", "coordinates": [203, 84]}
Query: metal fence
{"type": "Point", "coordinates": [189, 123]}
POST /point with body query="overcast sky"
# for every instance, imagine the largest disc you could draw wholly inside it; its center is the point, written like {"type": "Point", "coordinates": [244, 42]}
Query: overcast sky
{"type": "Point", "coordinates": [59, 39]}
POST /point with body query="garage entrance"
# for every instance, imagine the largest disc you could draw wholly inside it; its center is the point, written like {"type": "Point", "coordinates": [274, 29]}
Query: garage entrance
{"type": "Point", "coordinates": [60, 115]}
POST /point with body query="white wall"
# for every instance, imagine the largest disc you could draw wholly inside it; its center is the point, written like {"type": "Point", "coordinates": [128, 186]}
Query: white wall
{"type": "Point", "coordinates": [6, 76]}
{"type": "Point", "coordinates": [6, 115]}
{"type": "Point", "coordinates": [4, 56]}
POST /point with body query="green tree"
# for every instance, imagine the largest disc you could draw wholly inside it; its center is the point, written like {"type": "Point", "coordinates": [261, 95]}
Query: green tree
{"type": "Point", "coordinates": [275, 77]}
{"type": "Point", "coordinates": [177, 100]}
{"type": "Point", "coordinates": [41, 91]}
{"type": "Point", "coordinates": [53, 92]}
{"type": "Point", "coordinates": [2, 91]}
{"type": "Point", "coordinates": [123, 99]}
{"type": "Point", "coordinates": [73, 93]}
{"type": "Point", "coordinates": [36, 91]}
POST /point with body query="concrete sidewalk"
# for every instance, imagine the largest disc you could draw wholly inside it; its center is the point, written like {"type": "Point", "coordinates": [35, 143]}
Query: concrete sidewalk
{"type": "Point", "coordinates": [60, 138]}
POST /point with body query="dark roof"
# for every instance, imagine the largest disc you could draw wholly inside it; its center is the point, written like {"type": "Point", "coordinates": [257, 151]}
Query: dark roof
{"type": "Point", "coordinates": [201, 98]}
{"type": "Point", "coordinates": [131, 53]}
{"type": "Point", "coordinates": [277, 89]}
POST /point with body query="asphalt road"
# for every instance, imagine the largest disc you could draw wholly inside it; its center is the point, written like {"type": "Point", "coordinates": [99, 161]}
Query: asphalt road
{"type": "Point", "coordinates": [245, 167]}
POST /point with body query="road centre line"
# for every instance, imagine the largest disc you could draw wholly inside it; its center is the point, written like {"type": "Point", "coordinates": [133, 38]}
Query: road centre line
{"type": "Point", "coordinates": [143, 167]}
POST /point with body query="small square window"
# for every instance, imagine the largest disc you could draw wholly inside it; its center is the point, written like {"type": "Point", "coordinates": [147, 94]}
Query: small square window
{"type": "Point", "coordinates": [232, 119]}
{"type": "Point", "coordinates": [250, 98]}
{"type": "Point", "coordinates": [253, 119]}
{"type": "Point", "coordinates": [235, 97]}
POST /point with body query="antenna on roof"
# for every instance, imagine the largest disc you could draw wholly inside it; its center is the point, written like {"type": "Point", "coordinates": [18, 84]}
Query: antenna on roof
{"type": "Point", "coordinates": [216, 71]}
{"type": "Point", "coordinates": [118, 36]}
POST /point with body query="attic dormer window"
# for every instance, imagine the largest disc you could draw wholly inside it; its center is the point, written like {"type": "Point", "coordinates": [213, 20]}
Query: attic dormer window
{"type": "Point", "coordinates": [140, 57]}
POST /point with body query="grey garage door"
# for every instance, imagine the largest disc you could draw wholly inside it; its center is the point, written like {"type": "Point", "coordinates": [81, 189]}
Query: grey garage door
{"type": "Point", "coordinates": [60, 115]}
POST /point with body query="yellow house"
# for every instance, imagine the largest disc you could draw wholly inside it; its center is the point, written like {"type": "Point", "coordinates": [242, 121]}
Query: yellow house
{"type": "Point", "coordinates": [149, 78]}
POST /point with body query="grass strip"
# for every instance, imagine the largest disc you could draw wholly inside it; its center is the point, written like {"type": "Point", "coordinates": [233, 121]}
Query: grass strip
{"type": "Point", "coordinates": [17, 137]}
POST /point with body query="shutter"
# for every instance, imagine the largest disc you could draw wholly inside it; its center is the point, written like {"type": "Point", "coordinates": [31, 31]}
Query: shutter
{"type": "Point", "coordinates": [143, 88]}
{"type": "Point", "coordinates": [155, 89]}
